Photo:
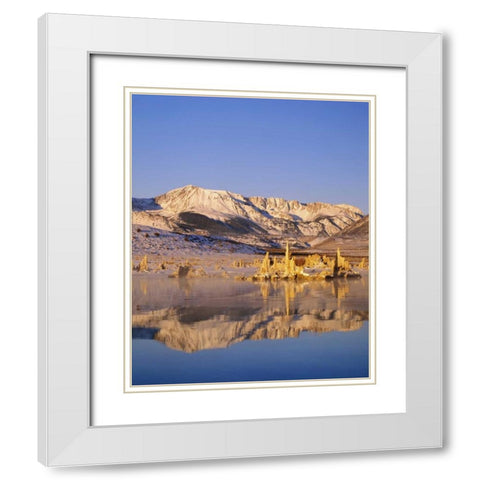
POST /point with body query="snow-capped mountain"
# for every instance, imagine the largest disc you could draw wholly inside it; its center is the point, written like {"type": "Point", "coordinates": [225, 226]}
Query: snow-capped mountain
{"type": "Point", "coordinates": [251, 220]}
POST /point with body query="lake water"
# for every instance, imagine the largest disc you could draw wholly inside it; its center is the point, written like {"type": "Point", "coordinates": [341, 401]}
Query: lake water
{"type": "Point", "coordinates": [223, 330]}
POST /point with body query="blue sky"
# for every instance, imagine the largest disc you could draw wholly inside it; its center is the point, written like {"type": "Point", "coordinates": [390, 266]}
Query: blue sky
{"type": "Point", "coordinates": [295, 149]}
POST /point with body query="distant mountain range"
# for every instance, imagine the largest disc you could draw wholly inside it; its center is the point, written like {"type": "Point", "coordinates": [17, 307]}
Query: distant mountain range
{"type": "Point", "coordinates": [259, 221]}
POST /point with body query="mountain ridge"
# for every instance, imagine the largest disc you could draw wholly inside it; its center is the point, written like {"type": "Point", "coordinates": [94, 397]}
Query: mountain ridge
{"type": "Point", "coordinates": [266, 221]}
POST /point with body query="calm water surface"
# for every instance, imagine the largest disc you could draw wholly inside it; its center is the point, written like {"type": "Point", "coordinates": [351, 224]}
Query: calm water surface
{"type": "Point", "coordinates": [224, 330]}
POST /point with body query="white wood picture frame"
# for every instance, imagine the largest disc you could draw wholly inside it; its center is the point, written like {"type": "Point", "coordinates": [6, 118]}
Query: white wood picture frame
{"type": "Point", "coordinates": [66, 436]}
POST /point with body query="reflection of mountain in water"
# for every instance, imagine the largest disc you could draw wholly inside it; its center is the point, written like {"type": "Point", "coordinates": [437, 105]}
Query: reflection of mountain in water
{"type": "Point", "coordinates": [267, 311]}
{"type": "Point", "coordinates": [221, 332]}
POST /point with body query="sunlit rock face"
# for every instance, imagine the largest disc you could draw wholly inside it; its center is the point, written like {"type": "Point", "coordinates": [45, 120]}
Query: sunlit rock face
{"type": "Point", "coordinates": [251, 220]}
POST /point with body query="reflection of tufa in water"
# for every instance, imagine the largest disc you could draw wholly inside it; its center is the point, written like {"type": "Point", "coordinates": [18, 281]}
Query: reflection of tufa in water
{"type": "Point", "coordinates": [197, 314]}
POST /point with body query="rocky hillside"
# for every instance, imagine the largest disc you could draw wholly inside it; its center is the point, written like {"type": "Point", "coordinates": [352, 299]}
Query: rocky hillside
{"type": "Point", "coordinates": [352, 240]}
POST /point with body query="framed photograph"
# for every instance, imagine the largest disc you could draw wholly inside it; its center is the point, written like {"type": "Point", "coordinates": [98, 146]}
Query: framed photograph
{"type": "Point", "coordinates": [226, 277]}
{"type": "Point", "coordinates": [240, 240]}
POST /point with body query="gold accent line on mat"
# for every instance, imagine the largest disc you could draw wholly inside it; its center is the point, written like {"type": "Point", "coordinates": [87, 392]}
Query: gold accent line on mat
{"type": "Point", "coordinates": [315, 94]}
{"type": "Point", "coordinates": [139, 387]}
